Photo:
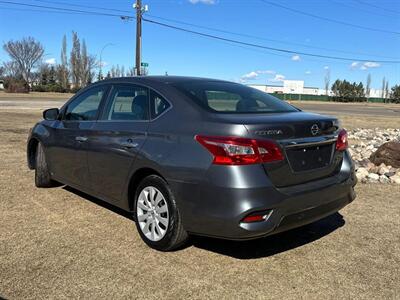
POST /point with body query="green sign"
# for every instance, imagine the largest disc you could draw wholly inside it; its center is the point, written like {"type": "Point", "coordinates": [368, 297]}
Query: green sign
{"type": "Point", "coordinates": [143, 64]}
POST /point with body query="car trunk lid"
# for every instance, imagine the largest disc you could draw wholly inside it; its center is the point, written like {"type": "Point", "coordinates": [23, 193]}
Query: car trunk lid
{"type": "Point", "coordinates": [306, 139]}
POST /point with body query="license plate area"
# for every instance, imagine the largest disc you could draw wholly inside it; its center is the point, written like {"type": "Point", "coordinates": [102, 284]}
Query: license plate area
{"type": "Point", "coordinates": [310, 157]}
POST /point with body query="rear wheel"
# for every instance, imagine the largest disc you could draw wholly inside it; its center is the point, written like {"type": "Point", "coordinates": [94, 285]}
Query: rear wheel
{"type": "Point", "coordinates": [157, 216]}
{"type": "Point", "coordinates": [42, 174]}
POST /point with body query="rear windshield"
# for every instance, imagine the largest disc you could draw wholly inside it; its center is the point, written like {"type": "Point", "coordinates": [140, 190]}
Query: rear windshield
{"type": "Point", "coordinates": [227, 97]}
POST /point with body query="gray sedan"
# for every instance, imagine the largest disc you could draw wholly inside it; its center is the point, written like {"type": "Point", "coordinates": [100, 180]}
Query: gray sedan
{"type": "Point", "coordinates": [195, 156]}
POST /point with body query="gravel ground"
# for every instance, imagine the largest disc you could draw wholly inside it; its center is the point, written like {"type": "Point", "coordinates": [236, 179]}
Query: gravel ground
{"type": "Point", "coordinates": [59, 243]}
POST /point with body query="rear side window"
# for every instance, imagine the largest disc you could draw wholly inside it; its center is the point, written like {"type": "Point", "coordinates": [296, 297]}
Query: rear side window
{"type": "Point", "coordinates": [229, 97]}
{"type": "Point", "coordinates": [86, 105]}
{"type": "Point", "coordinates": [158, 104]}
{"type": "Point", "coordinates": [127, 102]}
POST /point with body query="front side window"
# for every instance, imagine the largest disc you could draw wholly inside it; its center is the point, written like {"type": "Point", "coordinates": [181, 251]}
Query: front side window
{"type": "Point", "coordinates": [227, 97]}
{"type": "Point", "coordinates": [85, 106]}
{"type": "Point", "coordinates": [128, 102]}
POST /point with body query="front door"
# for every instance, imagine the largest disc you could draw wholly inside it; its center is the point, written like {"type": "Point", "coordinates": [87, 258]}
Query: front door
{"type": "Point", "coordinates": [67, 151]}
{"type": "Point", "coordinates": [116, 139]}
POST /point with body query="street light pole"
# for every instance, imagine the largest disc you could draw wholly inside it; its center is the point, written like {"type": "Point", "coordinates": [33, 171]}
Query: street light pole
{"type": "Point", "coordinates": [101, 61]}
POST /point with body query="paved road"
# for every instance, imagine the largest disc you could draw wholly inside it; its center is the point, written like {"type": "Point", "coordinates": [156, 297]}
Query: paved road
{"type": "Point", "coordinates": [381, 110]}
{"type": "Point", "coordinates": [30, 104]}
{"type": "Point", "coordinates": [350, 109]}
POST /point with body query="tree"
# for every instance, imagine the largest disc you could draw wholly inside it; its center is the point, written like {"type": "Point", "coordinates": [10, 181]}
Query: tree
{"type": "Point", "coordinates": [2, 71]}
{"type": "Point", "coordinates": [383, 87]}
{"type": "Point", "coordinates": [88, 62]}
{"type": "Point", "coordinates": [368, 86]}
{"type": "Point", "coordinates": [327, 81]}
{"type": "Point", "coordinates": [386, 91]}
{"type": "Point", "coordinates": [345, 91]}
{"type": "Point", "coordinates": [76, 61]}
{"type": "Point", "coordinates": [11, 69]}
{"type": "Point", "coordinates": [43, 74]}
{"type": "Point", "coordinates": [113, 72]}
{"type": "Point", "coordinates": [359, 90]}
{"type": "Point", "coordinates": [63, 68]}
{"type": "Point", "coordinates": [395, 94]}
{"type": "Point", "coordinates": [336, 88]}
{"type": "Point", "coordinates": [99, 75]}
{"type": "Point", "coordinates": [52, 75]}
{"type": "Point", "coordinates": [26, 54]}
{"type": "Point", "coordinates": [130, 72]}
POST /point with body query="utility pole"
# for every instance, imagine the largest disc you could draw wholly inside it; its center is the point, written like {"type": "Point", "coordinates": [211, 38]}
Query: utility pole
{"type": "Point", "coordinates": [139, 12]}
{"type": "Point", "coordinates": [138, 7]}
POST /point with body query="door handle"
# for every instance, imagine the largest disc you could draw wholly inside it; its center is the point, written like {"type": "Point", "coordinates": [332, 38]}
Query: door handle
{"type": "Point", "coordinates": [81, 139]}
{"type": "Point", "coordinates": [129, 144]}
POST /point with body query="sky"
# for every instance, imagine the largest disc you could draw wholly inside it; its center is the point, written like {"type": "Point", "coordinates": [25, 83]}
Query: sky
{"type": "Point", "coordinates": [264, 23]}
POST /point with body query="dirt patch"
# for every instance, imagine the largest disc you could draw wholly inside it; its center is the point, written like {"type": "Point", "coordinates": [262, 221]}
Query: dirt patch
{"type": "Point", "coordinates": [58, 243]}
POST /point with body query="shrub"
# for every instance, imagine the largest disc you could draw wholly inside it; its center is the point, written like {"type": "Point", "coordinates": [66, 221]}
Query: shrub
{"type": "Point", "coordinates": [55, 88]}
{"type": "Point", "coordinates": [75, 90]}
{"type": "Point", "coordinates": [12, 85]}
{"type": "Point", "coordinates": [348, 99]}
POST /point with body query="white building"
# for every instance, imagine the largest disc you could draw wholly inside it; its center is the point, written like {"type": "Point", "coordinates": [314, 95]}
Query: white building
{"type": "Point", "coordinates": [293, 86]}
{"type": "Point", "coordinates": [288, 87]}
{"type": "Point", "coordinates": [1, 85]}
{"type": "Point", "coordinates": [374, 93]}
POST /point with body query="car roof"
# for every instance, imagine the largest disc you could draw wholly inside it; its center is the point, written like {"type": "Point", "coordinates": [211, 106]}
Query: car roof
{"type": "Point", "coordinates": [166, 79]}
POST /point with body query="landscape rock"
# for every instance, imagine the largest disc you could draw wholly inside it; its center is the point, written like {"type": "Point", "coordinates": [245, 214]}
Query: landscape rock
{"type": "Point", "coordinates": [390, 174]}
{"type": "Point", "coordinates": [384, 179]}
{"type": "Point", "coordinates": [362, 173]}
{"type": "Point", "coordinates": [388, 153]}
{"type": "Point", "coordinates": [383, 170]}
{"type": "Point", "coordinates": [373, 177]}
{"type": "Point", "coordinates": [395, 179]}
{"type": "Point", "coordinates": [364, 144]}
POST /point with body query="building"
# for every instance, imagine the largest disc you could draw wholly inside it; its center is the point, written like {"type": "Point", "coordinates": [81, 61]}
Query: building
{"type": "Point", "coordinates": [288, 87]}
{"type": "Point", "coordinates": [374, 93]}
{"type": "Point", "coordinates": [1, 85]}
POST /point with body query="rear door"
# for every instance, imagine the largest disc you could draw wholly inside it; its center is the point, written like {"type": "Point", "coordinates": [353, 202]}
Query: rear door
{"type": "Point", "coordinates": [67, 150]}
{"type": "Point", "coordinates": [116, 139]}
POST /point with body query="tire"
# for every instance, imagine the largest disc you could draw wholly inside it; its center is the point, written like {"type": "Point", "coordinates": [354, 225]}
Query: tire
{"type": "Point", "coordinates": [152, 213]}
{"type": "Point", "coordinates": [42, 174]}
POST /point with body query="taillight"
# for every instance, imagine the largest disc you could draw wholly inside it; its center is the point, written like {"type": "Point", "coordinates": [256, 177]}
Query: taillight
{"type": "Point", "coordinates": [240, 151]}
{"type": "Point", "coordinates": [342, 141]}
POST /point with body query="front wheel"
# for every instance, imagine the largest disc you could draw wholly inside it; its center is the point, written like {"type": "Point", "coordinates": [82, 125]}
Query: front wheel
{"type": "Point", "coordinates": [157, 216]}
{"type": "Point", "coordinates": [42, 173]}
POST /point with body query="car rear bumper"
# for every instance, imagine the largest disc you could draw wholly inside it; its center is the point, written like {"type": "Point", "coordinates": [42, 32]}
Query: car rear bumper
{"type": "Point", "coordinates": [217, 207]}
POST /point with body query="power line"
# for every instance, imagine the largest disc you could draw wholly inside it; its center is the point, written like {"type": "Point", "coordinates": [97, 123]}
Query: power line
{"type": "Point", "coordinates": [83, 6]}
{"type": "Point", "coordinates": [266, 47]}
{"type": "Point", "coordinates": [175, 21]}
{"type": "Point", "coordinates": [328, 19]}
{"type": "Point", "coordinates": [377, 6]}
{"type": "Point", "coordinates": [41, 10]}
{"type": "Point", "coordinates": [262, 38]}
{"type": "Point", "coordinates": [125, 17]}
{"type": "Point", "coordinates": [60, 9]}
{"type": "Point", "coordinates": [354, 6]}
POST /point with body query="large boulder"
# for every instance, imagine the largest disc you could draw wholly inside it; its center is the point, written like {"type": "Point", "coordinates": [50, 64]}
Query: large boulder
{"type": "Point", "coordinates": [388, 154]}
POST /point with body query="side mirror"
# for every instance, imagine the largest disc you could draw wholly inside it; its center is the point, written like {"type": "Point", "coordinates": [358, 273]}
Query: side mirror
{"type": "Point", "coordinates": [51, 114]}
